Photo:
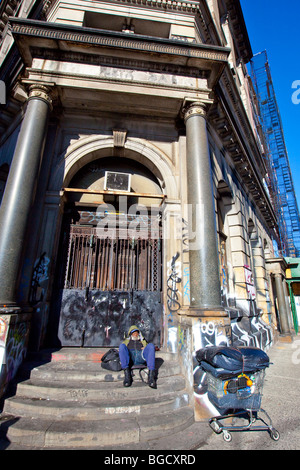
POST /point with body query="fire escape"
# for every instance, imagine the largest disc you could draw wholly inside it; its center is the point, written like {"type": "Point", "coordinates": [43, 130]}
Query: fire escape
{"type": "Point", "coordinates": [280, 182]}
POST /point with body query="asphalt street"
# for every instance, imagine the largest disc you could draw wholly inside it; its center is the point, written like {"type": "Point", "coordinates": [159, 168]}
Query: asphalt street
{"type": "Point", "coordinates": [280, 399]}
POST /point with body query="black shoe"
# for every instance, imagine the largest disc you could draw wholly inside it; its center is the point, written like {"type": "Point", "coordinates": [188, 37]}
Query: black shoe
{"type": "Point", "coordinates": [152, 379]}
{"type": "Point", "coordinates": [127, 377]}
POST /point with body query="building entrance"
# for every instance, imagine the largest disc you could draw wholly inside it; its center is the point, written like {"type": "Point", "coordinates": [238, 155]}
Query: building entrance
{"type": "Point", "coordinates": [112, 280]}
{"type": "Point", "coordinates": [112, 270]}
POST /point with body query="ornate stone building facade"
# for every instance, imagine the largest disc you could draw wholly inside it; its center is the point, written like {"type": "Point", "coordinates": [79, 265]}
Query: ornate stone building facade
{"type": "Point", "coordinates": [132, 180]}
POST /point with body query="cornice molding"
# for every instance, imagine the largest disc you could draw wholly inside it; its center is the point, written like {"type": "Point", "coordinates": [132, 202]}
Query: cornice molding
{"type": "Point", "coordinates": [242, 160]}
{"type": "Point", "coordinates": [7, 9]}
{"type": "Point", "coordinates": [94, 37]}
{"type": "Point", "coordinates": [237, 21]}
{"type": "Point", "coordinates": [179, 5]}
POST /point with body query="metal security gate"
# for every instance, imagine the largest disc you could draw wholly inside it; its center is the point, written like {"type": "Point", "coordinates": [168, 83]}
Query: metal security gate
{"type": "Point", "coordinates": [113, 280]}
{"type": "Point", "coordinates": [101, 263]}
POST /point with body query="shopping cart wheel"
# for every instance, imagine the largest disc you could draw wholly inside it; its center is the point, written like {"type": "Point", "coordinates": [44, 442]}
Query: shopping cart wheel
{"type": "Point", "coordinates": [274, 434]}
{"type": "Point", "coordinates": [215, 426]}
{"type": "Point", "coordinates": [227, 436]}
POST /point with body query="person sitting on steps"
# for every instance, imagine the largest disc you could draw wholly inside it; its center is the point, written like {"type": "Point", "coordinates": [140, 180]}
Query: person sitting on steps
{"type": "Point", "coordinates": [136, 351]}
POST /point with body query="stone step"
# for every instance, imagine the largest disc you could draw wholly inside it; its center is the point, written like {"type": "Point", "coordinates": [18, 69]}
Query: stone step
{"type": "Point", "coordinates": [84, 354]}
{"type": "Point", "coordinates": [95, 391]}
{"type": "Point", "coordinates": [43, 433]}
{"type": "Point", "coordinates": [65, 399]}
{"type": "Point", "coordinates": [86, 371]}
{"type": "Point", "coordinates": [68, 410]}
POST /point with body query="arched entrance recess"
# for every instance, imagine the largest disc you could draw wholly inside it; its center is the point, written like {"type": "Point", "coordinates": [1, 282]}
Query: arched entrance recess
{"type": "Point", "coordinates": [112, 253]}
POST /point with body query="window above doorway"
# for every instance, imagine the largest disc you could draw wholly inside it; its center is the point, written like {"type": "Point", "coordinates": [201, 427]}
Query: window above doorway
{"type": "Point", "coordinates": [126, 24]}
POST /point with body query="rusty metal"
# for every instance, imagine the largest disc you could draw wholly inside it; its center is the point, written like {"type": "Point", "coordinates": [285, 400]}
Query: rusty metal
{"type": "Point", "coordinates": [96, 261]}
{"type": "Point", "coordinates": [111, 192]}
{"type": "Point", "coordinates": [112, 279]}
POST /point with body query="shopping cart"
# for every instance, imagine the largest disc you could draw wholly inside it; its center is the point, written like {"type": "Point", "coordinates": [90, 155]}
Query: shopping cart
{"type": "Point", "coordinates": [235, 378]}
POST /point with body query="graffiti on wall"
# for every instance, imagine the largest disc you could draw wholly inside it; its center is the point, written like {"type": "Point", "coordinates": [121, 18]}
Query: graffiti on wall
{"type": "Point", "coordinates": [102, 318]}
{"type": "Point", "coordinates": [13, 340]}
{"type": "Point", "coordinates": [173, 303]}
{"type": "Point", "coordinates": [3, 334]}
{"type": "Point", "coordinates": [186, 284]}
{"type": "Point", "coordinates": [249, 283]}
{"type": "Point", "coordinates": [207, 333]}
{"type": "Point", "coordinates": [251, 331]}
{"type": "Point", "coordinates": [16, 348]}
{"type": "Point", "coordinates": [185, 340]}
{"type": "Point", "coordinates": [39, 279]}
{"type": "Point", "coordinates": [223, 273]}
{"type": "Point", "coordinates": [185, 236]}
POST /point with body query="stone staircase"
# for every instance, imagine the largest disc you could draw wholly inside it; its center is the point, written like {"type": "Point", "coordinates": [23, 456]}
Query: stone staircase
{"type": "Point", "coordinates": [64, 399]}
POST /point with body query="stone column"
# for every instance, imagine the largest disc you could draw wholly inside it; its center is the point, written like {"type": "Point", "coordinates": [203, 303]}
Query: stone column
{"type": "Point", "coordinates": [283, 313]}
{"type": "Point", "coordinates": [19, 191]}
{"type": "Point", "coordinates": [206, 319]}
{"type": "Point", "coordinates": [205, 289]}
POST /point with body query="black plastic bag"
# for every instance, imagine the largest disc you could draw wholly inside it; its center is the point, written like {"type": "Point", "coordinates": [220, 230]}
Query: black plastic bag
{"type": "Point", "coordinates": [111, 360]}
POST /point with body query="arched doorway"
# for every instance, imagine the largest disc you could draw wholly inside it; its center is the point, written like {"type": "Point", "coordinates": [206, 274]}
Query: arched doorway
{"type": "Point", "coordinates": [110, 254]}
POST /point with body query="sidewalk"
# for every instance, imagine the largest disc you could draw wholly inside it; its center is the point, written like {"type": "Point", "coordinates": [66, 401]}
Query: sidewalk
{"type": "Point", "coordinates": [281, 400]}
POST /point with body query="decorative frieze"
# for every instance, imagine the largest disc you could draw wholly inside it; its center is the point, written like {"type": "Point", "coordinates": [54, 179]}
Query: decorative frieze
{"type": "Point", "coordinates": [118, 62]}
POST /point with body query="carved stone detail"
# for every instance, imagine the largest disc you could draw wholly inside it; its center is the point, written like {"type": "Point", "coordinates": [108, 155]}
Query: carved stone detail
{"type": "Point", "coordinates": [196, 108]}
{"type": "Point", "coordinates": [198, 51]}
{"type": "Point", "coordinates": [119, 137]}
{"type": "Point", "coordinates": [42, 92]}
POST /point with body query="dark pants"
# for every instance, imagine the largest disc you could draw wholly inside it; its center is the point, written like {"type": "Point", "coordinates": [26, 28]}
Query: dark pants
{"type": "Point", "coordinates": [132, 357]}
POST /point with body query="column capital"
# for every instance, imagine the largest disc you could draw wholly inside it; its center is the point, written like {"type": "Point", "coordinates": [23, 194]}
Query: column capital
{"type": "Point", "coordinates": [196, 108]}
{"type": "Point", "coordinates": [40, 91]}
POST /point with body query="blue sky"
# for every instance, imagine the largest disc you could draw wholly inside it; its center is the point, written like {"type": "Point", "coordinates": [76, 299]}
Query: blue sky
{"type": "Point", "coordinates": [273, 26]}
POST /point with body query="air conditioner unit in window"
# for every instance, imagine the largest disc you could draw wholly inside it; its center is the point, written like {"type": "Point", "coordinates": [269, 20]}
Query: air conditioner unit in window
{"type": "Point", "coordinates": [115, 181]}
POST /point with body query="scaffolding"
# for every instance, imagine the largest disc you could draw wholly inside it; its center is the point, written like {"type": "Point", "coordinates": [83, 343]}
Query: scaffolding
{"type": "Point", "coordinates": [279, 180]}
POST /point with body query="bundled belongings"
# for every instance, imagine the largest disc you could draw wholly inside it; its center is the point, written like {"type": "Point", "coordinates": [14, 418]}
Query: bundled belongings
{"type": "Point", "coordinates": [226, 362]}
{"type": "Point", "coordinates": [234, 375]}
{"type": "Point", "coordinates": [111, 360]}
{"type": "Point", "coordinates": [235, 378]}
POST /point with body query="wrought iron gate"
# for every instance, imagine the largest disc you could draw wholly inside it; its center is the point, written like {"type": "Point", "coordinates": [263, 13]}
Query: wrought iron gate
{"type": "Point", "coordinates": [113, 280]}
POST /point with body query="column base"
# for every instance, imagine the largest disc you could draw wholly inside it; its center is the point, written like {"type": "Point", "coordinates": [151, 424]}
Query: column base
{"type": "Point", "coordinates": [204, 312]}
{"type": "Point", "coordinates": [9, 309]}
{"type": "Point", "coordinates": [285, 338]}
